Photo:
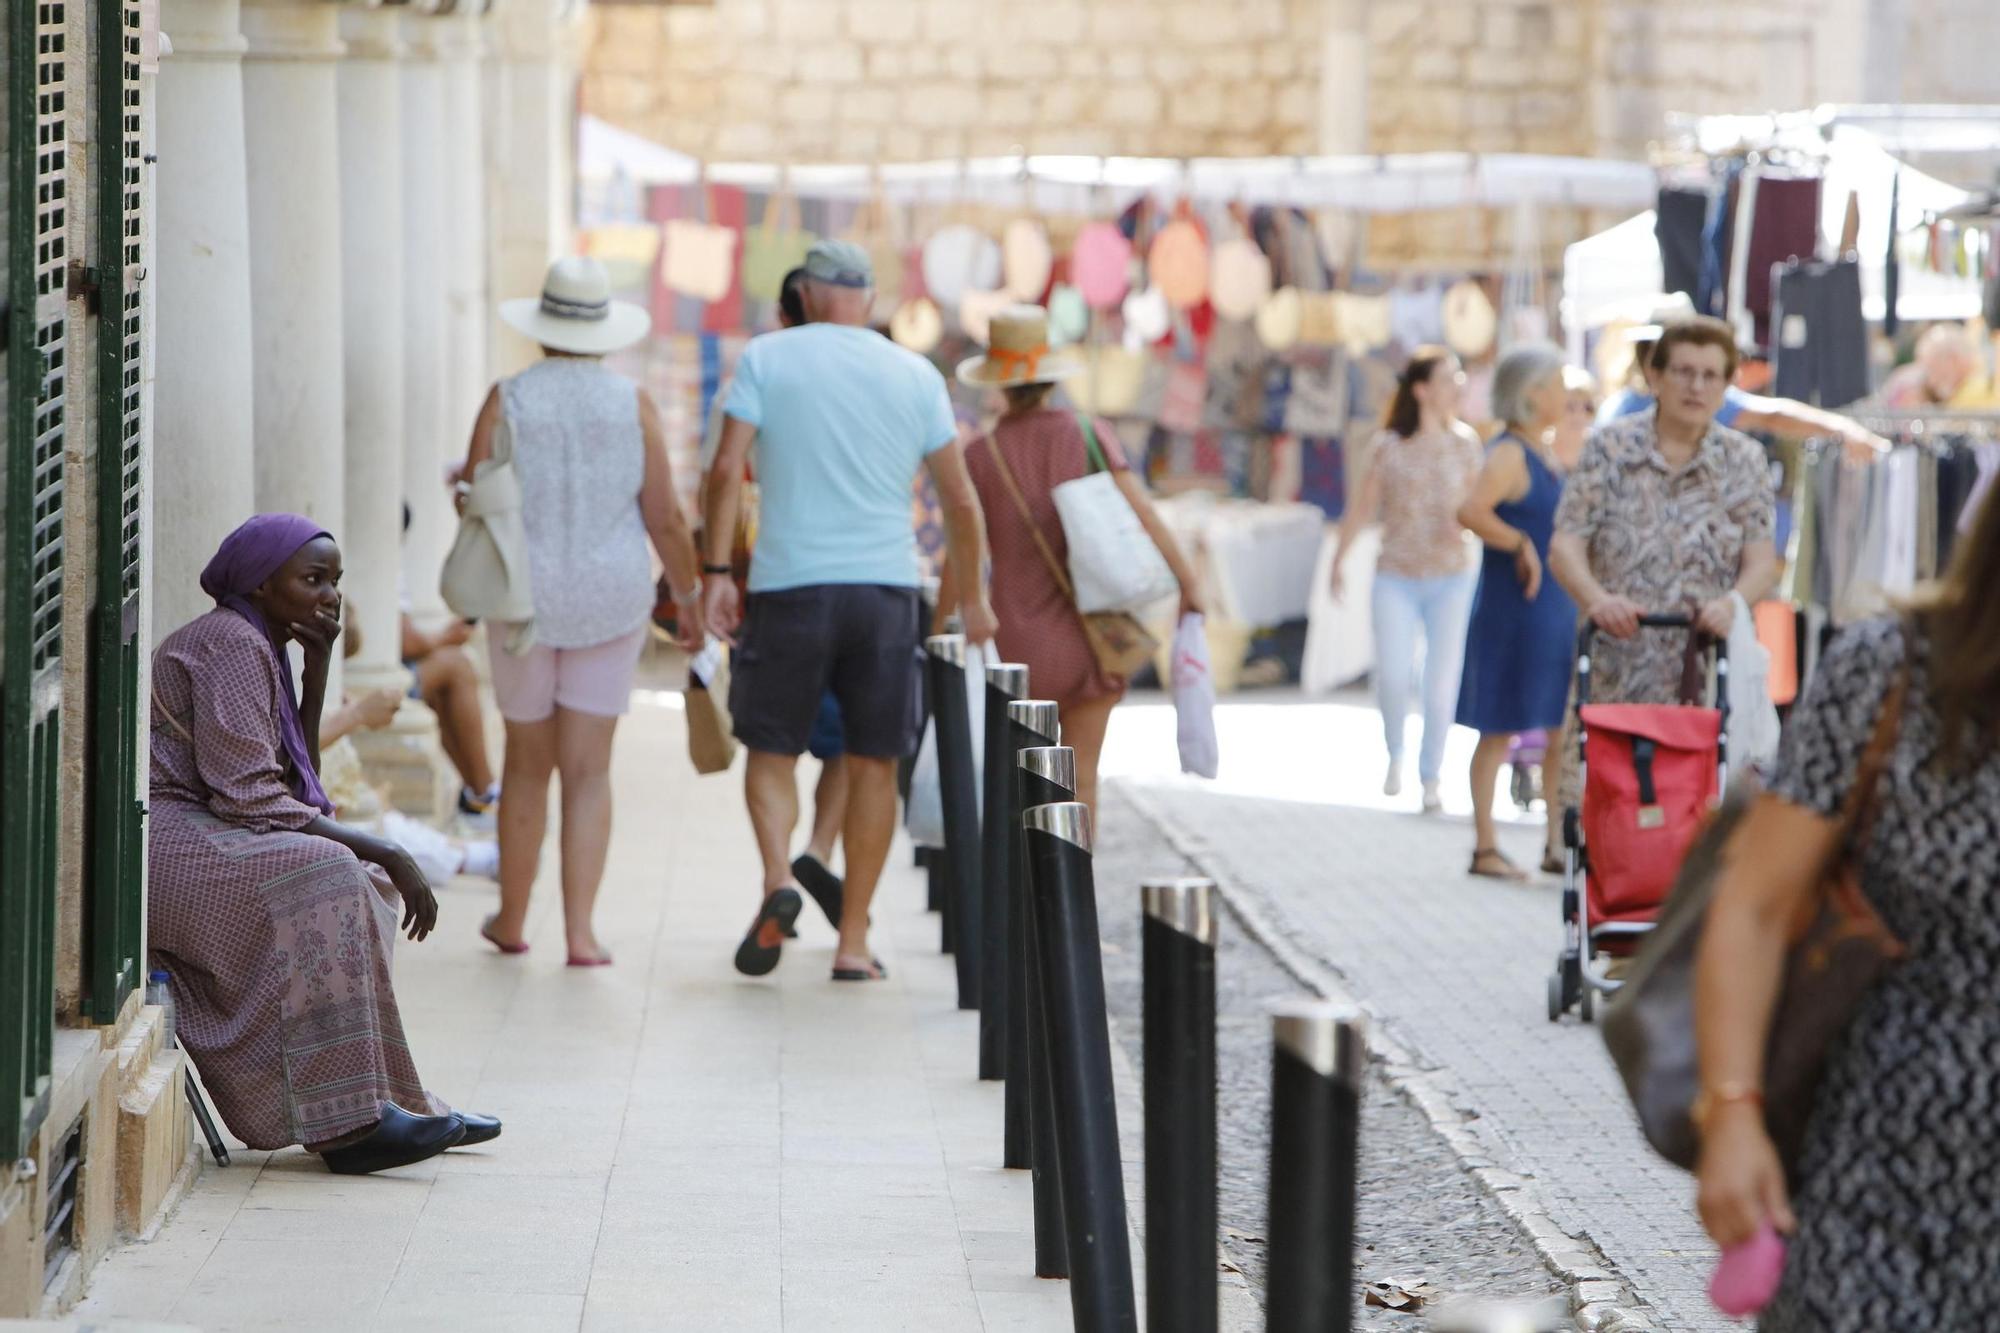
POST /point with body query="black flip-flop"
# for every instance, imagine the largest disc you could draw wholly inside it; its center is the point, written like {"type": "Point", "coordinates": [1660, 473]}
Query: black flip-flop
{"type": "Point", "coordinates": [765, 942]}
{"type": "Point", "coordinates": [873, 972]}
{"type": "Point", "coordinates": [825, 887]}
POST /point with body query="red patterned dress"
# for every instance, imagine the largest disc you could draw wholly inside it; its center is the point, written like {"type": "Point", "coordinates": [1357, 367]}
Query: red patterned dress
{"type": "Point", "coordinates": [277, 942]}
{"type": "Point", "coordinates": [1038, 622]}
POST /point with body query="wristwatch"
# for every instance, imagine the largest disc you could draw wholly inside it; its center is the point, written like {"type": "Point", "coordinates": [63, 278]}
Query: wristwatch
{"type": "Point", "coordinates": [718, 569]}
{"type": "Point", "coordinates": [1710, 1100]}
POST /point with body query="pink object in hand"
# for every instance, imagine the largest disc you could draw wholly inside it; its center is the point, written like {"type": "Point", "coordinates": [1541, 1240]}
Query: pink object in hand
{"type": "Point", "coordinates": [1747, 1276]}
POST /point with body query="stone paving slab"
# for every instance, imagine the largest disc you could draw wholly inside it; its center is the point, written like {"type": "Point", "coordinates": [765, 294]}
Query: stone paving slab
{"type": "Point", "coordinates": [1453, 969]}
{"type": "Point", "coordinates": [685, 1148]}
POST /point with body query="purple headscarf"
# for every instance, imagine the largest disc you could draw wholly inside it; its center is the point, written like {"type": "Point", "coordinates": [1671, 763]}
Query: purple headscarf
{"type": "Point", "coordinates": [246, 558]}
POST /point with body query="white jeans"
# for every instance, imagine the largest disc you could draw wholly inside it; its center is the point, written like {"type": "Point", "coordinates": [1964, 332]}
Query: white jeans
{"type": "Point", "coordinates": [1441, 607]}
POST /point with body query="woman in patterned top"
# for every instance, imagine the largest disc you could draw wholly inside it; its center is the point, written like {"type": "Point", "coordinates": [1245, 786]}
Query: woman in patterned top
{"type": "Point", "coordinates": [1423, 466]}
{"type": "Point", "coordinates": [274, 923]}
{"type": "Point", "coordinates": [1896, 1219]}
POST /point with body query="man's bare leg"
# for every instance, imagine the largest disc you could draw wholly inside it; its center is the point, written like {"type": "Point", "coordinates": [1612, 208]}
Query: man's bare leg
{"type": "Point", "coordinates": [870, 828]}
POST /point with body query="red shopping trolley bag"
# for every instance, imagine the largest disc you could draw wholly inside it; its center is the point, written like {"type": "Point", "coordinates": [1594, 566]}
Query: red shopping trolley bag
{"type": "Point", "coordinates": [1651, 779]}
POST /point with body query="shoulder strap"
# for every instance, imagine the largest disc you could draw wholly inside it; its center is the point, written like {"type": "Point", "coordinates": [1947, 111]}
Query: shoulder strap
{"type": "Point", "coordinates": [1021, 504]}
{"type": "Point", "coordinates": [161, 710]}
{"type": "Point", "coordinates": [1097, 463]}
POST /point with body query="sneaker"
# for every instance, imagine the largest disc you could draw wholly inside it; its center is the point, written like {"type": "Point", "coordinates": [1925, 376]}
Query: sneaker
{"type": "Point", "coordinates": [482, 859]}
{"type": "Point", "coordinates": [478, 812]}
{"type": "Point", "coordinates": [1433, 802]}
{"type": "Point", "coordinates": [1392, 785]}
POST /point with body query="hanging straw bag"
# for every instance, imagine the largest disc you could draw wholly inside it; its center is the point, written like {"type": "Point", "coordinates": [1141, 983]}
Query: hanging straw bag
{"type": "Point", "coordinates": [485, 575]}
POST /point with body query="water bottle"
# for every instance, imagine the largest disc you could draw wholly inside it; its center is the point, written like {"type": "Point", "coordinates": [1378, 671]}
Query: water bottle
{"type": "Point", "coordinates": [157, 993]}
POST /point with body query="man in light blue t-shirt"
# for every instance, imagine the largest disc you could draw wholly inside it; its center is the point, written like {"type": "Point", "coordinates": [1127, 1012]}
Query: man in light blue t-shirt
{"type": "Point", "coordinates": [842, 421]}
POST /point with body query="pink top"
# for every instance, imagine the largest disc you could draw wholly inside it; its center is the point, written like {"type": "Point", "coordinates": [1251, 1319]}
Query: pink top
{"type": "Point", "coordinates": [1424, 478]}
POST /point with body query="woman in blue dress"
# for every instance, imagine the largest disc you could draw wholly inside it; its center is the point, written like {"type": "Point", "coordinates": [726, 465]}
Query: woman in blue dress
{"type": "Point", "coordinates": [1520, 647]}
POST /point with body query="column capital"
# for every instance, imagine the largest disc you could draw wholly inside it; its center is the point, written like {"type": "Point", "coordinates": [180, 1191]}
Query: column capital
{"type": "Point", "coordinates": [202, 29]}
{"type": "Point", "coordinates": [302, 30]}
{"type": "Point", "coordinates": [372, 31]}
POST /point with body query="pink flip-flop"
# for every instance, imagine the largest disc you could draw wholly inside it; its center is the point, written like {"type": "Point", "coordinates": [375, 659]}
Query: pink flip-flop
{"type": "Point", "coordinates": [486, 933]}
{"type": "Point", "coordinates": [602, 960]}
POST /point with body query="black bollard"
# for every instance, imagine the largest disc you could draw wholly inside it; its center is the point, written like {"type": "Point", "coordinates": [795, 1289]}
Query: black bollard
{"type": "Point", "coordinates": [1177, 940]}
{"type": "Point", "coordinates": [926, 858]}
{"type": "Point", "coordinates": [958, 784]}
{"type": "Point", "coordinates": [1046, 776]}
{"type": "Point", "coordinates": [1058, 849]}
{"type": "Point", "coordinates": [1319, 1051]}
{"type": "Point", "coordinates": [1005, 683]}
{"type": "Point", "coordinates": [1030, 723]}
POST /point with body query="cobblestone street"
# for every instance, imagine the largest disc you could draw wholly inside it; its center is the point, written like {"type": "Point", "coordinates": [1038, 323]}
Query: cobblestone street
{"type": "Point", "coordinates": [1451, 968]}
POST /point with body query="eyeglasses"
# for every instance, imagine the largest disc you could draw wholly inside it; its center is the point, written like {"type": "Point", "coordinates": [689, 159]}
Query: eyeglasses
{"type": "Point", "coordinates": [1695, 378]}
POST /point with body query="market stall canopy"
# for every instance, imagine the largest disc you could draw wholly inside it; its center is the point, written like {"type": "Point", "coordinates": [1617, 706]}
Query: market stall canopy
{"type": "Point", "coordinates": [1386, 183]}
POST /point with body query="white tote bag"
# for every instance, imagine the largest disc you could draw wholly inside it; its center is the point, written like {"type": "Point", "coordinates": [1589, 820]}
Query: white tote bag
{"type": "Point", "coordinates": [486, 573]}
{"type": "Point", "coordinates": [1113, 562]}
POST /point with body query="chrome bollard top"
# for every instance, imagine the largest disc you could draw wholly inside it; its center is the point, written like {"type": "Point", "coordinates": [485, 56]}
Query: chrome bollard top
{"type": "Point", "coordinates": [1010, 678]}
{"type": "Point", "coordinates": [950, 647]}
{"type": "Point", "coordinates": [1330, 1039]}
{"type": "Point", "coordinates": [1052, 763]}
{"type": "Point", "coordinates": [1069, 820]}
{"type": "Point", "coordinates": [1183, 903]}
{"type": "Point", "coordinates": [1039, 716]}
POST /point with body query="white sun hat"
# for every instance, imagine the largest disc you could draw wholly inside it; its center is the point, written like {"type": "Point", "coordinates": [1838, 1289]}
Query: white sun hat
{"type": "Point", "coordinates": [575, 312]}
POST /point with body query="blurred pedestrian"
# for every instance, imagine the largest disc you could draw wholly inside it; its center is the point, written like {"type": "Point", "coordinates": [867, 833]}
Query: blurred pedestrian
{"type": "Point", "coordinates": [1421, 468]}
{"type": "Point", "coordinates": [275, 924]}
{"type": "Point", "coordinates": [1948, 371]}
{"type": "Point", "coordinates": [1580, 398]}
{"type": "Point", "coordinates": [591, 454]}
{"type": "Point", "coordinates": [1031, 449]}
{"type": "Point", "coordinates": [1892, 1225]}
{"type": "Point", "coordinates": [1523, 631]}
{"type": "Point", "coordinates": [842, 421]}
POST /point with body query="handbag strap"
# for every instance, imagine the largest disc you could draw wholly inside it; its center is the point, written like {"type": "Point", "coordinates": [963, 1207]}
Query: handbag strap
{"type": "Point", "coordinates": [1021, 504]}
{"type": "Point", "coordinates": [161, 710]}
{"type": "Point", "coordinates": [1097, 463]}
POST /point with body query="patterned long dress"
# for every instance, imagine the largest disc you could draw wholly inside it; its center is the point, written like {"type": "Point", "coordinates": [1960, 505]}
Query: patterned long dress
{"type": "Point", "coordinates": [1899, 1216]}
{"type": "Point", "coordinates": [277, 943]}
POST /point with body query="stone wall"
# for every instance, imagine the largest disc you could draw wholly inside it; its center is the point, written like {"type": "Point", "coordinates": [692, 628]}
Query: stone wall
{"type": "Point", "coordinates": [903, 80]}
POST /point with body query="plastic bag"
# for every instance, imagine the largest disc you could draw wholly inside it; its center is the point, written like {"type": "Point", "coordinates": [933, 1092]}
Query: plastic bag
{"type": "Point", "coordinates": [923, 811]}
{"type": "Point", "coordinates": [1194, 699]}
{"type": "Point", "coordinates": [1753, 718]}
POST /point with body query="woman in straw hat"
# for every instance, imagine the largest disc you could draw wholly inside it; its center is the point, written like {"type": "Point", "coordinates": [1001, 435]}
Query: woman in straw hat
{"type": "Point", "coordinates": [591, 454]}
{"type": "Point", "coordinates": [1016, 465]}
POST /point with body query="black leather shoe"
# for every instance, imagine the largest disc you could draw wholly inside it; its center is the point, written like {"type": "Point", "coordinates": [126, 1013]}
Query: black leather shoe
{"type": "Point", "coordinates": [398, 1139]}
{"type": "Point", "coordinates": [478, 1128]}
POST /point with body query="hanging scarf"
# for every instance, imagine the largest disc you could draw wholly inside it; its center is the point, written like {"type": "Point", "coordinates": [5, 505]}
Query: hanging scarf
{"type": "Point", "coordinates": [246, 559]}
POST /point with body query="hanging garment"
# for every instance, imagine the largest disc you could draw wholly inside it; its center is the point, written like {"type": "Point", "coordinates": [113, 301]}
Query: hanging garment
{"type": "Point", "coordinates": [1711, 293]}
{"type": "Point", "coordinates": [1677, 226]}
{"type": "Point", "coordinates": [1736, 308]}
{"type": "Point", "coordinates": [1784, 225]}
{"type": "Point", "coordinates": [1819, 347]}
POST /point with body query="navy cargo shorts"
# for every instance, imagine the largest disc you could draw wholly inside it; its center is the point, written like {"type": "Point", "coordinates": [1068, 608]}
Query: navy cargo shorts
{"type": "Point", "coordinates": [858, 642]}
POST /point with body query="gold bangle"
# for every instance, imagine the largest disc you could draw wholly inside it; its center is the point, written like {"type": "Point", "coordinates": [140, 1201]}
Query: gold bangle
{"type": "Point", "coordinates": [1711, 1100]}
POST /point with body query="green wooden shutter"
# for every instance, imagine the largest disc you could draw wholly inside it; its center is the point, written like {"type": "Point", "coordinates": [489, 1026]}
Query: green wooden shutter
{"type": "Point", "coordinates": [116, 905]}
{"type": "Point", "coordinates": [31, 536]}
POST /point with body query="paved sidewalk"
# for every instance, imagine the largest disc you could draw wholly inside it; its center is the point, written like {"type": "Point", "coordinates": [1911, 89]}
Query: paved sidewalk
{"type": "Point", "coordinates": [685, 1148]}
{"type": "Point", "coordinates": [1451, 966]}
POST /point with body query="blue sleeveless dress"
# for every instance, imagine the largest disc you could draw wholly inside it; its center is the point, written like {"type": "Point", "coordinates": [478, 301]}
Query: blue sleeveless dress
{"type": "Point", "coordinates": [1518, 653]}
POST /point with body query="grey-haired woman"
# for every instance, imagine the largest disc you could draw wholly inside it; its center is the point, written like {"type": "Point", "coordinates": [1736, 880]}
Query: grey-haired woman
{"type": "Point", "coordinates": [1519, 646]}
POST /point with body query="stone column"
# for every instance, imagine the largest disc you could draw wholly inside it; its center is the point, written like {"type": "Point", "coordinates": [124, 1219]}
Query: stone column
{"type": "Point", "coordinates": [203, 422]}
{"type": "Point", "coordinates": [461, 48]}
{"type": "Point", "coordinates": [1343, 120]}
{"type": "Point", "coordinates": [292, 142]}
{"type": "Point", "coordinates": [530, 157]}
{"type": "Point", "coordinates": [426, 431]}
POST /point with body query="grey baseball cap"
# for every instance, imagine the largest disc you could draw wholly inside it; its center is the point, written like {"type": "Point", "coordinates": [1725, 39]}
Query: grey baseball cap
{"type": "Point", "coordinates": [840, 263]}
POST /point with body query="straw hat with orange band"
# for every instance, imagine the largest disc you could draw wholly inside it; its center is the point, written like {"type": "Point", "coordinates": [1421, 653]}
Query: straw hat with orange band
{"type": "Point", "coordinates": [1018, 352]}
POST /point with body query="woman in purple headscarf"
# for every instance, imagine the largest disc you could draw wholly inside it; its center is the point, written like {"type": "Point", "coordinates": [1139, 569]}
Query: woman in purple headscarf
{"type": "Point", "coordinates": [275, 923]}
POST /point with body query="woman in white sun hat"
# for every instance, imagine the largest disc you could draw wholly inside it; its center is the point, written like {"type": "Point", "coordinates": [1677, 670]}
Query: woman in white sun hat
{"type": "Point", "coordinates": [591, 453]}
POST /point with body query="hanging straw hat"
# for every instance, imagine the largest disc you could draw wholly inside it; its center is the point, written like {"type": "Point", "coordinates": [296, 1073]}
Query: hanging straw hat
{"type": "Point", "coordinates": [575, 312]}
{"type": "Point", "coordinates": [1019, 353]}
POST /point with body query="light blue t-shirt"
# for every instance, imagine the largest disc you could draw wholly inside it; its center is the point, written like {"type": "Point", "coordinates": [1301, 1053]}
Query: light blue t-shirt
{"type": "Point", "coordinates": [845, 419]}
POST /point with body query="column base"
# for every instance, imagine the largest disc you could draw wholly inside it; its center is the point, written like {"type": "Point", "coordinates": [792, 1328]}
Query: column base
{"type": "Point", "coordinates": [406, 760]}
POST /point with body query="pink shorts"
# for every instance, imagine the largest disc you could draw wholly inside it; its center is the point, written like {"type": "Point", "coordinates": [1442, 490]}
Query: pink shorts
{"type": "Point", "coordinates": [595, 680]}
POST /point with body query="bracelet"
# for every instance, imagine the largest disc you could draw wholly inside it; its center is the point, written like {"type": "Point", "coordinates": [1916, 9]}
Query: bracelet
{"type": "Point", "coordinates": [1711, 1100]}
{"type": "Point", "coordinates": [718, 569]}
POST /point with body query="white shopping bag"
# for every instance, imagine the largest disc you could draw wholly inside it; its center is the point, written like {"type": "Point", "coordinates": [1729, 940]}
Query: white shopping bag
{"type": "Point", "coordinates": [1194, 699]}
{"type": "Point", "coordinates": [1753, 718]}
{"type": "Point", "coordinates": [923, 813]}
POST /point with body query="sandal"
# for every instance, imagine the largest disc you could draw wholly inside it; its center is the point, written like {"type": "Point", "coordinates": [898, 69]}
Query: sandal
{"type": "Point", "coordinates": [1506, 869]}
{"type": "Point", "coordinates": [486, 933]}
{"type": "Point", "coordinates": [1552, 863]}
{"type": "Point", "coordinates": [873, 971]}
{"type": "Point", "coordinates": [764, 943]}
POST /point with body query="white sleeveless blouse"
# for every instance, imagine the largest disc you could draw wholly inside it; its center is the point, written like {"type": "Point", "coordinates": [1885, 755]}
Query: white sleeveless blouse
{"type": "Point", "coordinates": [580, 455]}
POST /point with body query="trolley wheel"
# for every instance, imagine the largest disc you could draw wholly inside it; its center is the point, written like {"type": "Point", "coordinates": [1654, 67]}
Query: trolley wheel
{"type": "Point", "coordinates": [1586, 1006]}
{"type": "Point", "coordinates": [1555, 997]}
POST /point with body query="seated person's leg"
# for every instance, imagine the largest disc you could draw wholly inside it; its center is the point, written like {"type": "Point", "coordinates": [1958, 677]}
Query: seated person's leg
{"type": "Point", "coordinates": [449, 684]}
